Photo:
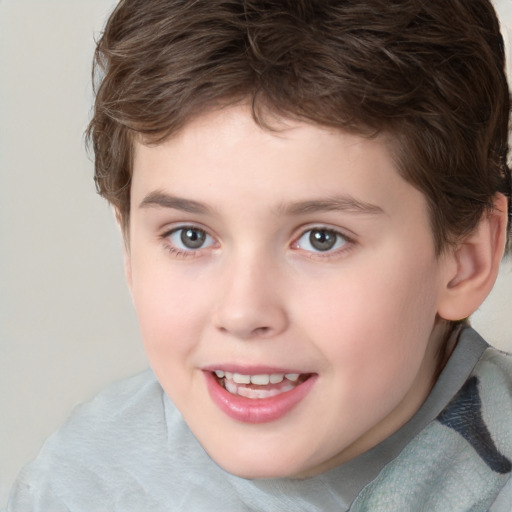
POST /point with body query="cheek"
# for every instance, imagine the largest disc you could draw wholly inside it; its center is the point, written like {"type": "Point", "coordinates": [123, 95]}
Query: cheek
{"type": "Point", "coordinates": [169, 306]}
{"type": "Point", "coordinates": [169, 311]}
{"type": "Point", "coordinates": [375, 322]}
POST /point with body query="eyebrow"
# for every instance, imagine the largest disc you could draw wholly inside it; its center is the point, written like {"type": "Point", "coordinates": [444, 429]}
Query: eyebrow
{"type": "Point", "coordinates": [336, 203]}
{"type": "Point", "coordinates": [347, 203]}
{"type": "Point", "coordinates": [164, 200]}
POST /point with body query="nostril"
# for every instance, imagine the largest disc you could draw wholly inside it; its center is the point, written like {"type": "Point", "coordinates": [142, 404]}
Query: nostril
{"type": "Point", "coordinates": [261, 330]}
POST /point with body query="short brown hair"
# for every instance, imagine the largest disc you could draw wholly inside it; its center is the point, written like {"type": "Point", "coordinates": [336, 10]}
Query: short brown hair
{"type": "Point", "coordinates": [430, 74]}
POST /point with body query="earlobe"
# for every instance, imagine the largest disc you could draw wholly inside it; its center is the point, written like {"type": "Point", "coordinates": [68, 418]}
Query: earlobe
{"type": "Point", "coordinates": [474, 264]}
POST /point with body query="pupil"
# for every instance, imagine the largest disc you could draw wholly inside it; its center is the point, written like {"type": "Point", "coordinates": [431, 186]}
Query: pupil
{"type": "Point", "coordinates": [192, 238]}
{"type": "Point", "coordinates": [322, 240]}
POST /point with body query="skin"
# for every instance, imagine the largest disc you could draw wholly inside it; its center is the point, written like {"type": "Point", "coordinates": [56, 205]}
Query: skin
{"type": "Point", "coordinates": [362, 317]}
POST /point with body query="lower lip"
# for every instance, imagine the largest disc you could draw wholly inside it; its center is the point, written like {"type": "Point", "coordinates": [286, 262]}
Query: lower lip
{"type": "Point", "coordinates": [256, 410]}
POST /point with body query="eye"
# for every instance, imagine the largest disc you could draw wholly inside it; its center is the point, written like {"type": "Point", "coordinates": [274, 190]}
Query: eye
{"type": "Point", "coordinates": [321, 240]}
{"type": "Point", "coordinates": [189, 238]}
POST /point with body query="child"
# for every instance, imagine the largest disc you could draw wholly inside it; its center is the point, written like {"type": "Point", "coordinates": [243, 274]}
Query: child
{"type": "Point", "coordinates": [314, 198]}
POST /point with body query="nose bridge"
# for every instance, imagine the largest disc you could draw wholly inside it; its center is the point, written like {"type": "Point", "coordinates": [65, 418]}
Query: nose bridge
{"type": "Point", "coordinates": [250, 305]}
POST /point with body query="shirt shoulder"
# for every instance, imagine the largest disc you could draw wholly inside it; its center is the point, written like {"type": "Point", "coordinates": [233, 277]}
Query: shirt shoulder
{"type": "Point", "coordinates": [97, 450]}
{"type": "Point", "coordinates": [462, 459]}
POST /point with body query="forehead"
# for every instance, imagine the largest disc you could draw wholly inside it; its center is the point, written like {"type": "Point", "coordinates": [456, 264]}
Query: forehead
{"type": "Point", "coordinates": [224, 159]}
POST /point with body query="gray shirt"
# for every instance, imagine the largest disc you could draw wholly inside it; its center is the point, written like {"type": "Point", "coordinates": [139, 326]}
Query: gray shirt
{"type": "Point", "coordinates": [129, 450]}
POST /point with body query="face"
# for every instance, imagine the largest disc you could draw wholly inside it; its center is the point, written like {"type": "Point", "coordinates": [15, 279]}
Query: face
{"type": "Point", "coordinates": [286, 287]}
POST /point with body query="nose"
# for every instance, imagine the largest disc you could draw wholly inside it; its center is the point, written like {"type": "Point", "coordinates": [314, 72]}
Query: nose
{"type": "Point", "coordinates": [250, 305]}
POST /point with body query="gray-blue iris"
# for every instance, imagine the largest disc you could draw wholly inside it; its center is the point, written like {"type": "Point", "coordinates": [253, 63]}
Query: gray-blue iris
{"type": "Point", "coordinates": [322, 240]}
{"type": "Point", "coordinates": [192, 238]}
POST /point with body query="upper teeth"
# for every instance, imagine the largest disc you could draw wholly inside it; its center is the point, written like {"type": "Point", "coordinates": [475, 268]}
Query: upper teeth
{"type": "Point", "coordinates": [259, 380]}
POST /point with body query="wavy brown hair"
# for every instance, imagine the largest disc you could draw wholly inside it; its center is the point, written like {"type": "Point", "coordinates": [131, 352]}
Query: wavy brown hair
{"type": "Point", "coordinates": [428, 74]}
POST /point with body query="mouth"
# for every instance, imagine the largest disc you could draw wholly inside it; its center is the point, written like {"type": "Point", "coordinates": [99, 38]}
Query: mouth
{"type": "Point", "coordinates": [261, 385]}
{"type": "Point", "coordinates": [257, 397]}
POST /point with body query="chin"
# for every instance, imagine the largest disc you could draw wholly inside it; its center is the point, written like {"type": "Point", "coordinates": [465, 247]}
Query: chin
{"type": "Point", "coordinates": [256, 470]}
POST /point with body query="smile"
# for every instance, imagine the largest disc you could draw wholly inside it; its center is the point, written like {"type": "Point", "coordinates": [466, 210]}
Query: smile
{"type": "Point", "coordinates": [258, 397]}
{"type": "Point", "coordinates": [260, 385]}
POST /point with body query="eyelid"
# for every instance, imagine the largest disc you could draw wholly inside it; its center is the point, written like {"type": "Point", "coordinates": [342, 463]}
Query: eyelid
{"type": "Point", "coordinates": [176, 226]}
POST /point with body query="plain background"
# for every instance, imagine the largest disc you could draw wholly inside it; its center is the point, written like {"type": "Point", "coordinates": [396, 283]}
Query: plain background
{"type": "Point", "coordinates": [67, 327]}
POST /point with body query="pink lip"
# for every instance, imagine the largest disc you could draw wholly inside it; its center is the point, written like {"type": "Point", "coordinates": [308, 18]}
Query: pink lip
{"type": "Point", "coordinates": [249, 370]}
{"type": "Point", "coordinates": [260, 410]}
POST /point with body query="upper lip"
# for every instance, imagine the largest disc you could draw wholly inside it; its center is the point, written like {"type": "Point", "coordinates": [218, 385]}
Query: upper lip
{"type": "Point", "coordinates": [251, 369]}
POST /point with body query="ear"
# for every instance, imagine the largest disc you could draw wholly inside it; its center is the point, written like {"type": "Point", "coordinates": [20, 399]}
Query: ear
{"type": "Point", "coordinates": [474, 264]}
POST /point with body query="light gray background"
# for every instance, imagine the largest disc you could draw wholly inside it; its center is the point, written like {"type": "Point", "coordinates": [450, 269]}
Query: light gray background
{"type": "Point", "coordinates": [67, 327]}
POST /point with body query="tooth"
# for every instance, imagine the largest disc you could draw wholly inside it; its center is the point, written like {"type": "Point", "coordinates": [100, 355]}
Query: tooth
{"type": "Point", "coordinates": [258, 393]}
{"type": "Point", "coordinates": [228, 375]}
{"type": "Point", "coordinates": [292, 376]}
{"type": "Point", "coordinates": [276, 378]}
{"type": "Point", "coordinates": [260, 380]}
{"type": "Point", "coordinates": [219, 373]}
{"type": "Point", "coordinates": [241, 379]}
{"type": "Point", "coordinates": [230, 386]}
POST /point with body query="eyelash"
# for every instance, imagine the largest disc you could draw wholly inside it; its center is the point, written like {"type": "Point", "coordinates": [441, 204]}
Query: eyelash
{"type": "Point", "coordinates": [347, 245]}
